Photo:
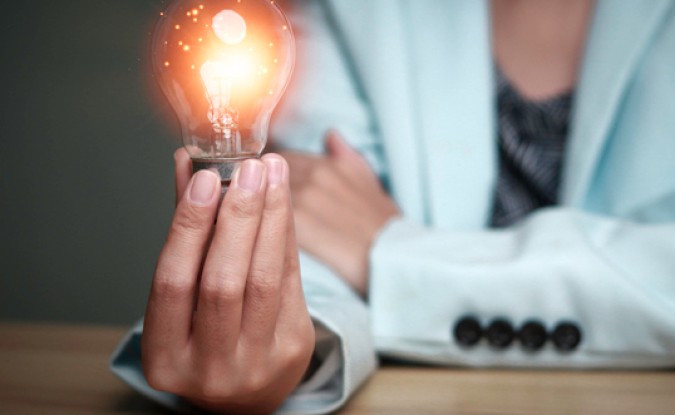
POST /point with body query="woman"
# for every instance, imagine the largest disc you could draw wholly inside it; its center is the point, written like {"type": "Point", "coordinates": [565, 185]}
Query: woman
{"type": "Point", "coordinates": [529, 218]}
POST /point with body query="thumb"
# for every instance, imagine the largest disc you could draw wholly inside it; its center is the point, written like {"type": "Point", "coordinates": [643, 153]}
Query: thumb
{"type": "Point", "coordinates": [338, 148]}
{"type": "Point", "coordinates": [348, 159]}
{"type": "Point", "coordinates": [183, 171]}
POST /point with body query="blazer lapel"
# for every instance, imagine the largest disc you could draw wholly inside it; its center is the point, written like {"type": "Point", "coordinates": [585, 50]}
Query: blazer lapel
{"type": "Point", "coordinates": [375, 37]}
{"type": "Point", "coordinates": [455, 108]}
{"type": "Point", "coordinates": [618, 36]}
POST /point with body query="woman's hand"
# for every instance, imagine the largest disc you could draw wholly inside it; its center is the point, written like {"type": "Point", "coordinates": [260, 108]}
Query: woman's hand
{"type": "Point", "coordinates": [339, 207]}
{"type": "Point", "coordinates": [226, 324]}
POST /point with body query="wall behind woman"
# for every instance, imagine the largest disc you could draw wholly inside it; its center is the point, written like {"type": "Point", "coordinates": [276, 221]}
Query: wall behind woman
{"type": "Point", "coordinates": [86, 186]}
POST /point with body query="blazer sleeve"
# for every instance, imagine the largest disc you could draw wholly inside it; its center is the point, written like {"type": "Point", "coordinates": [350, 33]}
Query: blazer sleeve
{"type": "Point", "coordinates": [344, 351]}
{"type": "Point", "coordinates": [611, 279]}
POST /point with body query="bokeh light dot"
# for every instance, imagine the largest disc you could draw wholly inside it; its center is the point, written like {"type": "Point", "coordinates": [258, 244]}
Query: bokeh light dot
{"type": "Point", "coordinates": [229, 26]}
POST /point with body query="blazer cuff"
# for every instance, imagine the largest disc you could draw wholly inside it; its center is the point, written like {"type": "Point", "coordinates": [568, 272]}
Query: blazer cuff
{"type": "Point", "coordinates": [125, 363]}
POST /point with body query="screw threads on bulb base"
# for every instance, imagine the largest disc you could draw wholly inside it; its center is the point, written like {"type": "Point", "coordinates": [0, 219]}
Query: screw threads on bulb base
{"type": "Point", "coordinates": [224, 166]}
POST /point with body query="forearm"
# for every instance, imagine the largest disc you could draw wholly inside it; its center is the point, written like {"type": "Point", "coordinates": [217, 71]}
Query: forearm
{"type": "Point", "coordinates": [559, 265]}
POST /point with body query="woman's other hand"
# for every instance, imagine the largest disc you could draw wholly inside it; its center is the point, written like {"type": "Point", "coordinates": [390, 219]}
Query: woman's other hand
{"type": "Point", "coordinates": [340, 206]}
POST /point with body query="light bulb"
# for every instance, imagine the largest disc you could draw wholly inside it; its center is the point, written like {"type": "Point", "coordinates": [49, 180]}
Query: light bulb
{"type": "Point", "coordinates": [223, 65]}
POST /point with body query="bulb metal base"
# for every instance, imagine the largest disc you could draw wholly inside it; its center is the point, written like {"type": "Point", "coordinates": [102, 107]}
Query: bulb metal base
{"type": "Point", "coordinates": [224, 166]}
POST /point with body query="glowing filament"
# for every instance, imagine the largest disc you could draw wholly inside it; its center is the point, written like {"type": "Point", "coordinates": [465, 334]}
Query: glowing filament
{"type": "Point", "coordinates": [218, 77]}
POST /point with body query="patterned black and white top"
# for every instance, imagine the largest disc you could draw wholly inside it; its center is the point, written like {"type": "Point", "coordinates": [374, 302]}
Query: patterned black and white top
{"type": "Point", "coordinates": [532, 138]}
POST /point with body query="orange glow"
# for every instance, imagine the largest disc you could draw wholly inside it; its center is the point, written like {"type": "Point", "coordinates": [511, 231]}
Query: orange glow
{"type": "Point", "coordinates": [232, 67]}
{"type": "Point", "coordinates": [235, 65]}
{"type": "Point", "coordinates": [223, 68]}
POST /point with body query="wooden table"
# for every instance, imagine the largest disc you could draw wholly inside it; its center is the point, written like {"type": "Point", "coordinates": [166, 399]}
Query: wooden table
{"type": "Point", "coordinates": [59, 369]}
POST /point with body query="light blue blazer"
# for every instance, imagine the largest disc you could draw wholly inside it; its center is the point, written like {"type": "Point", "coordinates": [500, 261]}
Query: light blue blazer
{"type": "Point", "coordinates": [410, 84]}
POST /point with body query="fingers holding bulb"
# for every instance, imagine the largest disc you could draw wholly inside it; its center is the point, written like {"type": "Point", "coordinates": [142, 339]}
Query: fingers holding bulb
{"type": "Point", "coordinates": [169, 309]}
{"type": "Point", "coordinates": [263, 286]}
{"type": "Point", "coordinates": [226, 268]}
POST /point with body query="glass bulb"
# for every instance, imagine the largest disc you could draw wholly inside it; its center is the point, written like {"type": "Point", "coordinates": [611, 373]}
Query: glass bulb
{"type": "Point", "coordinates": [223, 65]}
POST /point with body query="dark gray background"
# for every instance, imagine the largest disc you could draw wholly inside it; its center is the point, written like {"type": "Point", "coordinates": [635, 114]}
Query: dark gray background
{"type": "Point", "coordinates": [86, 186]}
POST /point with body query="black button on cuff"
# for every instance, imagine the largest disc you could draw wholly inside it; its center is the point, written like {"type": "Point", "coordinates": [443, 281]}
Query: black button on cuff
{"type": "Point", "coordinates": [467, 331]}
{"type": "Point", "coordinates": [566, 336]}
{"type": "Point", "coordinates": [532, 335]}
{"type": "Point", "coordinates": [500, 334]}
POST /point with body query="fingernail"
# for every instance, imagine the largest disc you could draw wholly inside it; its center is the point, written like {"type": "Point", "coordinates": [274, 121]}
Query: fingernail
{"type": "Point", "coordinates": [203, 187]}
{"type": "Point", "coordinates": [276, 171]}
{"type": "Point", "coordinates": [250, 175]}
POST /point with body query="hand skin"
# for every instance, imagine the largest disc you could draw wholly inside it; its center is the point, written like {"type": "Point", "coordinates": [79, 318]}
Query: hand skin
{"type": "Point", "coordinates": [340, 207]}
{"type": "Point", "coordinates": [226, 324]}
